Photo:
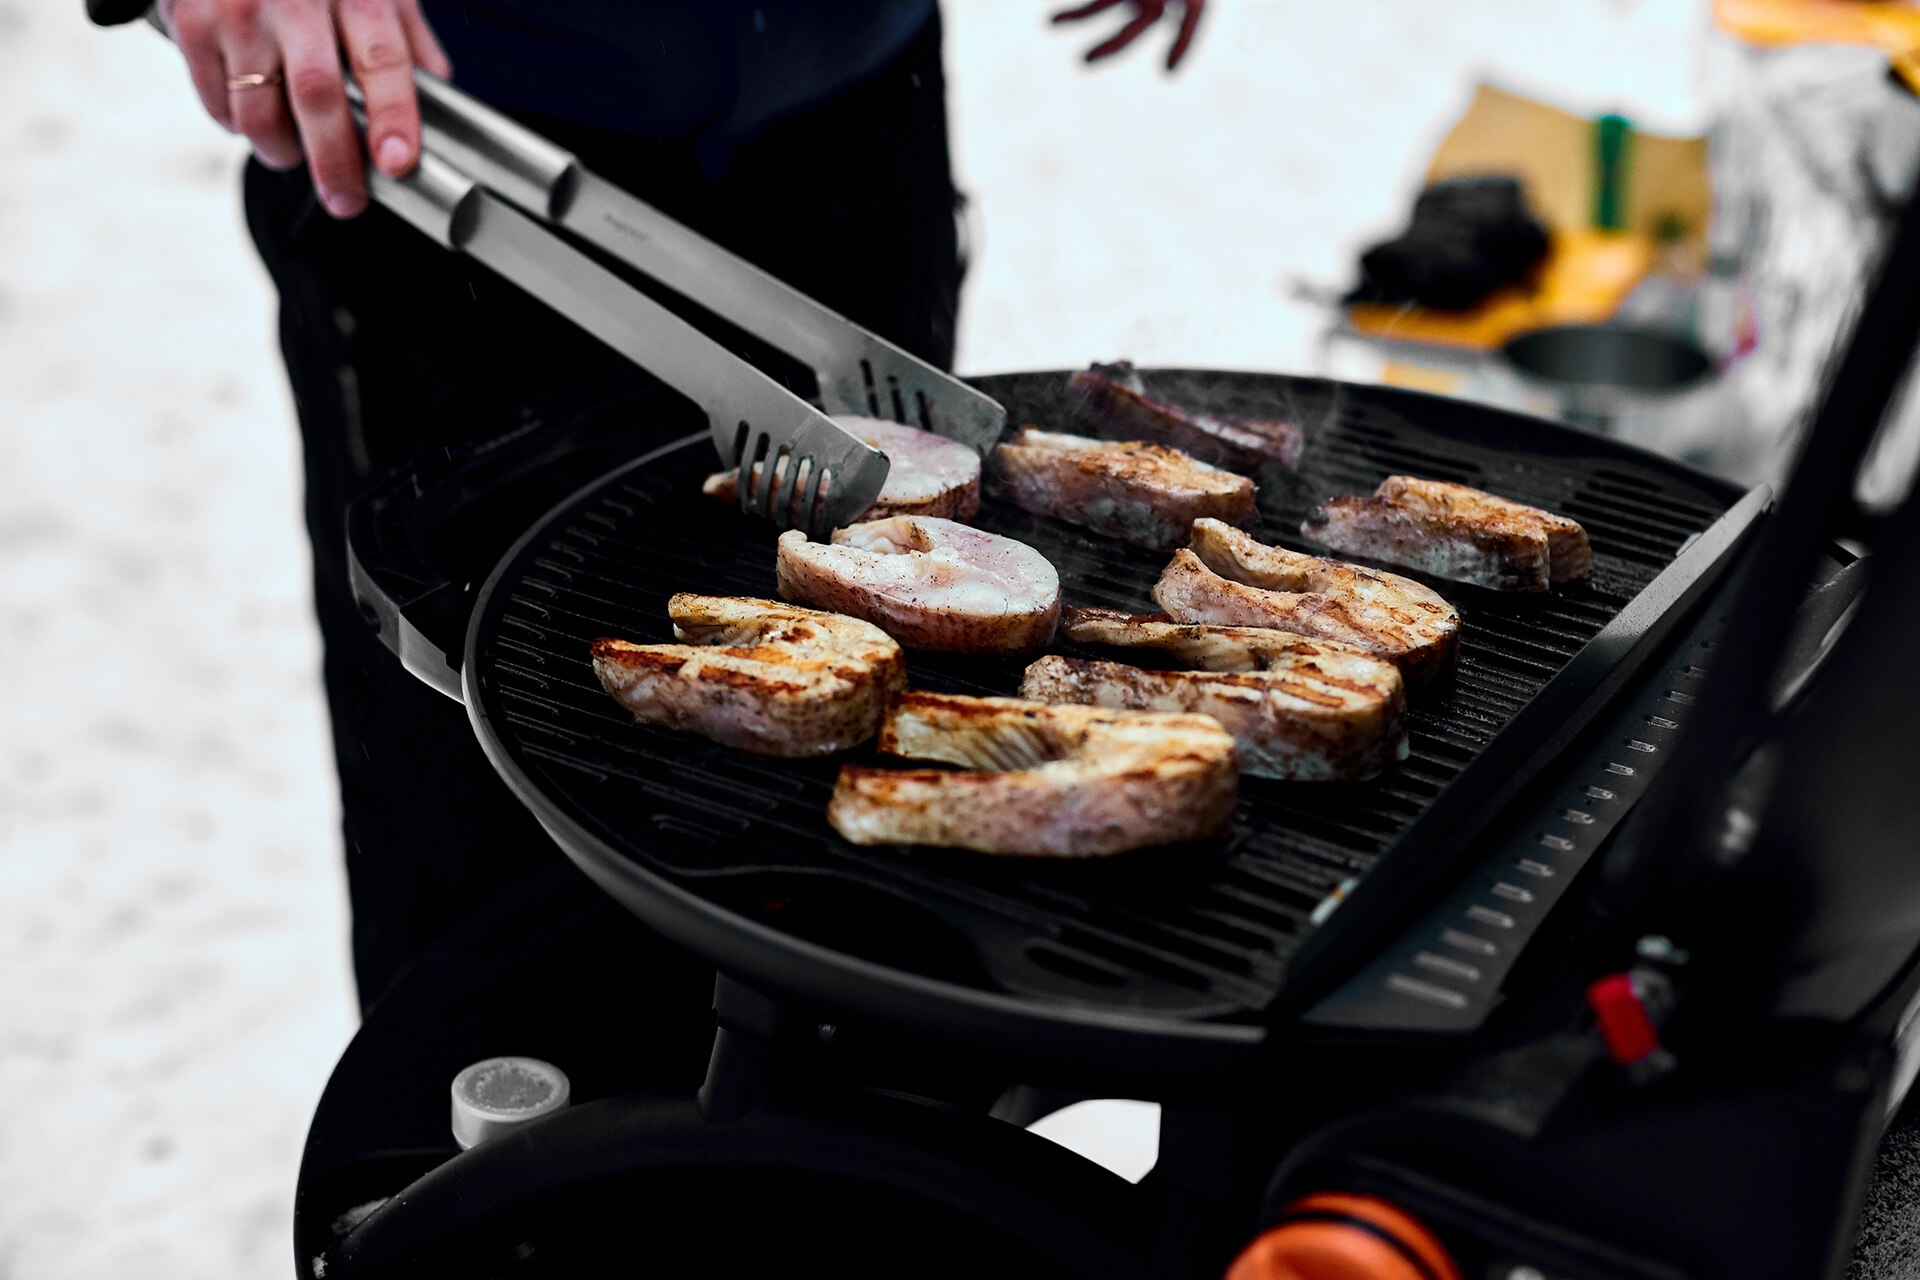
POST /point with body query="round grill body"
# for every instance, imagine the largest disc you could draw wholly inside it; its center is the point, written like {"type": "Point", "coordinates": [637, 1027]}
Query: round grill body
{"type": "Point", "coordinates": [1171, 959]}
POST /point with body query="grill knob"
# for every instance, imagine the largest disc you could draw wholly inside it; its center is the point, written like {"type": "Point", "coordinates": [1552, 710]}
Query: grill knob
{"type": "Point", "coordinates": [1332, 1236]}
{"type": "Point", "coordinates": [501, 1094]}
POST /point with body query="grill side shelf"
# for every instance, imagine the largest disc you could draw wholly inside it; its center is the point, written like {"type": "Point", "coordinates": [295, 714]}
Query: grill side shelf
{"type": "Point", "coordinates": [1445, 973]}
{"type": "Point", "coordinates": [420, 538]}
{"type": "Point", "coordinates": [1432, 849]}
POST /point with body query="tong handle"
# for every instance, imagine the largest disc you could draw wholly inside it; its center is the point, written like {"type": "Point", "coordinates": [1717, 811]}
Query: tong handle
{"type": "Point", "coordinates": [498, 151]}
{"type": "Point", "coordinates": [545, 180]}
{"type": "Point", "coordinates": [859, 372]}
{"type": "Point", "coordinates": [753, 419]}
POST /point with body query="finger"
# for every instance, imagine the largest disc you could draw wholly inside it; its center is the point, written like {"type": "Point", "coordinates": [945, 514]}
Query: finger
{"type": "Point", "coordinates": [1085, 11]}
{"type": "Point", "coordinates": [382, 62]}
{"type": "Point", "coordinates": [196, 34]}
{"type": "Point", "coordinates": [1124, 36]}
{"type": "Point", "coordinates": [317, 92]}
{"type": "Point", "coordinates": [425, 45]}
{"type": "Point", "coordinates": [258, 111]}
{"type": "Point", "coordinates": [1189, 23]}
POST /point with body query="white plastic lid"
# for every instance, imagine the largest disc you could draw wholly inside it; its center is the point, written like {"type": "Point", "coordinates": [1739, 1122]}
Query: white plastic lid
{"type": "Point", "coordinates": [500, 1094]}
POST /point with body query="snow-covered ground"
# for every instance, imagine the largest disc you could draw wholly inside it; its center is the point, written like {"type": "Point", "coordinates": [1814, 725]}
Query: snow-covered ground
{"type": "Point", "coordinates": [173, 975]}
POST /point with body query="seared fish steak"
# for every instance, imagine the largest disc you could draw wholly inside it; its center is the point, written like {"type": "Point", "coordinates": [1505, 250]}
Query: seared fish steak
{"type": "Point", "coordinates": [1452, 531]}
{"type": "Point", "coordinates": [1146, 494]}
{"type": "Point", "coordinates": [1113, 400]}
{"type": "Point", "coordinates": [1062, 781]}
{"type": "Point", "coordinates": [759, 675]}
{"type": "Point", "coordinates": [1301, 709]}
{"type": "Point", "coordinates": [1227, 578]}
{"type": "Point", "coordinates": [928, 583]}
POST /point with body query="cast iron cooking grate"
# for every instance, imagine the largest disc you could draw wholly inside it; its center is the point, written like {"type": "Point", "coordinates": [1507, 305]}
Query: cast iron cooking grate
{"type": "Point", "coordinates": [1202, 931]}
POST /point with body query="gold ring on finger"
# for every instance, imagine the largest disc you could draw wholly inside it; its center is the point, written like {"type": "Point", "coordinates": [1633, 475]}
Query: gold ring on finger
{"type": "Point", "coordinates": [255, 80]}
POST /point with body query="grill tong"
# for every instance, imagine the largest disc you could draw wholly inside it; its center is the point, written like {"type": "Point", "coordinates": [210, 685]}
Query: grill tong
{"type": "Point", "coordinates": [797, 466]}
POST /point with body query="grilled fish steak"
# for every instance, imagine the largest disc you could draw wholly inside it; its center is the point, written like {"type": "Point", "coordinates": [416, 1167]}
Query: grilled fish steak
{"type": "Point", "coordinates": [1301, 709]}
{"type": "Point", "coordinates": [1569, 555]}
{"type": "Point", "coordinates": [928, 583]}
{"type": "Point", "coordinates": [759, 675]}
{"type": "Point", "coordinates": [1063, 781]}
{"type": "Point", "coordinates": [1227, 578]}
{"type": "Point", "coordinates": [927, 474]}
{"type": "Point", "coordinates": [1146, 494]}
{"type": "Point", "coordinates": [1452, 531]}
{"type": "Point", "coordinates": [1113, 400]}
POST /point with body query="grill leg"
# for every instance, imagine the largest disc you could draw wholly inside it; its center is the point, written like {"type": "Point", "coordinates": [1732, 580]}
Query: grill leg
{"type": "Point", "coordinates": [739, 1073]}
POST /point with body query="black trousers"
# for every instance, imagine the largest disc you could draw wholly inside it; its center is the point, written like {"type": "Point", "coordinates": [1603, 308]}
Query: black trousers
{"type": "Point", "coordinates": [396, 349]}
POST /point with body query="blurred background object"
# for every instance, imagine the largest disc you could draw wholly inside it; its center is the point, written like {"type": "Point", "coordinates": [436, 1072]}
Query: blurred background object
{"type": "Point", "coordinates": [1816, 148]}
{"type": "Point", "coordinates": [1747, 246]}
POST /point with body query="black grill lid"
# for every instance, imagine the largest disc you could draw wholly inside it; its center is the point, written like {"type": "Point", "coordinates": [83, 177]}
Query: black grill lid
{"type": "Point", "coordinates": [1166, 951]}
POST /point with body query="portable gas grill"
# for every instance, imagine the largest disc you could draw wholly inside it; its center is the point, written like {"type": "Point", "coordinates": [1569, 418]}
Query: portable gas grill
{"type": "Point", "coordinates": [1352, 959]}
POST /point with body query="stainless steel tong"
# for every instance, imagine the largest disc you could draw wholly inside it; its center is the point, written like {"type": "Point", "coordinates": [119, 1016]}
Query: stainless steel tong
{"type": "Point", "coordinates": [796, 465]}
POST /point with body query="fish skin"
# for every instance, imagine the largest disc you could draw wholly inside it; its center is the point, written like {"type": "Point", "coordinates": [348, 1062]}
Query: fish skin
{"type": "Point", "coordinates": [1112, 399]}
{"type": "Point", "coordinates": [1226, 577]}
{"type": "Point", "coordinates": [929, 583]}
{"type": "Point", "coordinates": [927, 474]}
{"type": "Point", "coordinates": [1143, 493]}
{"type": "Point", "coordinates": [759, 675]}
{"type": "Point", "coordinates": [1038, 780]}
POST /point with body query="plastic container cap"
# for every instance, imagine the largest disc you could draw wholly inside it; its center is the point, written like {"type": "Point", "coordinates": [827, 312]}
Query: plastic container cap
{"type": "Point", "coordinates": [501, 1094]}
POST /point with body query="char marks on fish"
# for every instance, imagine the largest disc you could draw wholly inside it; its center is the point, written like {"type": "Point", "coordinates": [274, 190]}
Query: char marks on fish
{"type": "Point", "coordinates": [1061, 781]}
{"type": "Point", "coordinates": [1225, 577]}
{"type": "Point", "coordinates": [1455, 532]}
{"type": "Point", "coordinates": [759, 675]}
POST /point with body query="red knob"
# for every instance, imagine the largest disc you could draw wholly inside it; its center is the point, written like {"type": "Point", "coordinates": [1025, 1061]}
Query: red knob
{"type": "Point", "coordinates": [1332, 1236]}
{"type": "Point", "coordinates": [1622, 1016]}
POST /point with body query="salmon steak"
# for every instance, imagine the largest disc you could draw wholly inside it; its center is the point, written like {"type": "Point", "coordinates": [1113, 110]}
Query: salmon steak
{"type": "Point", "coordinates": [1146, 494]}
{"type": "Point", "coordinates": [1059, 781]}
{"type": "Point", "coordinates": [1299, 709]}
{"type": "Point", "coordinates": [929, 583]}
{"type": "Point", "coordinates": [927, 474]}
{"type": "Point", "coordinates": [1452, 531]}
{"type": "Point", "coordinates": [1227, 578]}
{"type": "Point", "coordinates": [759, 675]}
{"type": "Point", "coordinates": [1113, 401]}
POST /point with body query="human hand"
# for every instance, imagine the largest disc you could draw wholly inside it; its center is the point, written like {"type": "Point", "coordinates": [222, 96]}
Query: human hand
{"type": "Point", "coordinates": [271, 69]}
{"type": "Point", "coordinates": [1145, 14]}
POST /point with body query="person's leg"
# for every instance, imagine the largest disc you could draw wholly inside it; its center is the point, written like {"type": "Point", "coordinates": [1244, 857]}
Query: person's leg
{"type": "Point", "coordinates": [395, 348]}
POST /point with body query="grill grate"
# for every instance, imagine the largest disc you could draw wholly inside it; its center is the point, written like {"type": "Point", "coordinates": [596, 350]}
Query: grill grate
{"type": "Point", "coordinates": [1192, 931]}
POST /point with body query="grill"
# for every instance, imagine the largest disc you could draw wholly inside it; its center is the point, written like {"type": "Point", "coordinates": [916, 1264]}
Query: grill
{"type": "Point", "coordinates": [1181, 949]}
{"type": "Point", "coordinates": [1327, 909]}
